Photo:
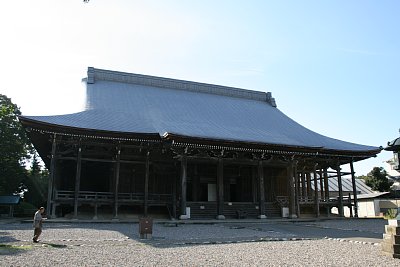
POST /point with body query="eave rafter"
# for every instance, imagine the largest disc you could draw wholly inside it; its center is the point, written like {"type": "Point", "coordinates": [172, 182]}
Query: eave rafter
{"type": "Point", "coordinates": [201, 148]}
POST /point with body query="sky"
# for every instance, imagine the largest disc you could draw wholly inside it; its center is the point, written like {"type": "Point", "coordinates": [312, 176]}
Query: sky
{"type": "Point", "coordinates": [332, 66]}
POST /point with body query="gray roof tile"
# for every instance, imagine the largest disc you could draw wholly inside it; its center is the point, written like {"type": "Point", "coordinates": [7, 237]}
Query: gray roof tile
{"type": "Point", "coordinates": [131, 105]}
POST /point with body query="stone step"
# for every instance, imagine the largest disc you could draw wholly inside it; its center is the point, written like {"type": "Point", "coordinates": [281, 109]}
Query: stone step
{"type": "Point", "coordinates": [392, 239]}
{"type": "Point", "coordinates": [392, 230]}
{"type": "Point", "coordinates": [390, 248]}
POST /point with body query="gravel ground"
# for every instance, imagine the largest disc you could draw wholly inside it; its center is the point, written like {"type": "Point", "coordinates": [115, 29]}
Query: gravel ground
{"type": "Point", "coordinates": [227, 244]}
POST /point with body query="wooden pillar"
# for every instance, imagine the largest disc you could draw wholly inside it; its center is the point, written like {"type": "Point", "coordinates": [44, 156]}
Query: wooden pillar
{"type": "Point", "coordinates": [349, 206]}
{"type": "Point", "coordinates": [297, 190]}
{"type": "Point", "coordinates": [321, 184]}
{"type": "Point", "coordinates": [316, 194]}
{"type": "Point", "coordinates": [174, 199]}
{"type": "Point", "coordinates": [227, 189]}
{"type": "Point", "coordinates": [261, 190]}
{"type": "Point", "coordinates": [183, 215]}
{"type": "Point", "coordinates": [116, 181]}
{"type": "Point", "coordinates": [254, 184]}
{"type": "Point", "coordinates": [220, 190]}
{"type": "Point", "coordinates": [353, 181]}
{"type": "Point", "coordinates": [308, 179]}
{"type": "Point", "coordinates": [52, 178]}
{"type": "Point", "coordinates": [146, 184]}
{"type": "Point", "coordinates": [340, 198]}
{"type": "Point", "coordinates": [95, 210]}
{"type": "Point", "coordinates": [195, 184]}
{"type": "Point", "coordinates": [326, 185]}
{"type": "Point", "coordinates": [77, 178]}
{"type": "Point", "coordinates": [292, 206]}
{"type": "Point", "coordinates": [303, 184]}
{"type": "Point", "coordinates": [299, 183]}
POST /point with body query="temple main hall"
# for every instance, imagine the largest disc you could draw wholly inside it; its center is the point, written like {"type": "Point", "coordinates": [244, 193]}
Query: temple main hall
{"type": "Point", "coordinates": [153, 146]}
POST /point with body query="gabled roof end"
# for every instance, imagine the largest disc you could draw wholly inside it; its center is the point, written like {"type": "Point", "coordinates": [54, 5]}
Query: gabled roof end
{"type": "Point", "coordinates": [90, 75]}
{"type": "Point", "coordinates": [94, 74]}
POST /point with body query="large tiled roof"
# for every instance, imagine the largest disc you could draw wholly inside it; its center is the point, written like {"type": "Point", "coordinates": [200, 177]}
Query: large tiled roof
{"type": "Point", "coordinates": [347, 186]}
{"type": "Point", "coordinates": [132, 103]}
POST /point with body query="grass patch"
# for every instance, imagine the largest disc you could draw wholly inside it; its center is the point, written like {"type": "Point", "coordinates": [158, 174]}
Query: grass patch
{"type": "Point", "coordinates": [17, 247]}
{"type": "Point", "coordinates": [54, 245]}
{"type": "Point", "coordinates": [6, 249]}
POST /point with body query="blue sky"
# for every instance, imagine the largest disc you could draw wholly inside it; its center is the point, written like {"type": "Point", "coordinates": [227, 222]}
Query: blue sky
{"type": "Point", "coordinates": [333, 66]}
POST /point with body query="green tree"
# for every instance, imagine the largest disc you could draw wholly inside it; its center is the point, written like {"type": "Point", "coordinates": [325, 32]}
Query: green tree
{"type": "Point", "coordinates": [37, 180]}
{"type": "Point", "coordinates": [15, 148]}
{"type": "Point", "coordinates": [377, 180]}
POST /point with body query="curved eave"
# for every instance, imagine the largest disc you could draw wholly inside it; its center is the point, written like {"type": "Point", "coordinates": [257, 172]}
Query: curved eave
{"type": "Point", "coordinates": [84, 132]}
{"type": "Point", "coordinates": [393, 145]}
{"type": "Point", "coordinates": [195, 141]}
{"type": "Point", "coordinates": [268, 146]}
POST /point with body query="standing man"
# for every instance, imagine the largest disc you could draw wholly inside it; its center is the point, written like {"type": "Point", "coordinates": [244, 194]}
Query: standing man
{"type": "Point", "coordinates": [37, 224]}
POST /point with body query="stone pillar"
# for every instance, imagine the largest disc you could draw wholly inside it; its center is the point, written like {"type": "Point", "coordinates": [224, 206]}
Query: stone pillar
{"type": "Point", "coordinates": [391, 239]}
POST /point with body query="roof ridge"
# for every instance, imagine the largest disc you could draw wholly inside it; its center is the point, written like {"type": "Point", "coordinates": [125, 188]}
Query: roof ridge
{"type": "Point", "coordinates": [94, 74]}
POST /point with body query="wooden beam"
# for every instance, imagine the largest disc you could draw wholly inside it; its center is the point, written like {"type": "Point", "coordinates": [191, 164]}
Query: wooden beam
{"type": "Point", "coordinates": [103, 160]}
{"type": "Point", "coordinates": [235, 161]}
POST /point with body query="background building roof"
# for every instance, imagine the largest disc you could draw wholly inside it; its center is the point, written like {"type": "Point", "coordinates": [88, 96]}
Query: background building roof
{"type": "Point", "coordinates": [9, 200]}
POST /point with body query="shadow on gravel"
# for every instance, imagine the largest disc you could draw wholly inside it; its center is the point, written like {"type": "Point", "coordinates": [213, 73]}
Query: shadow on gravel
{"type": "Point", "coordinates": [6, 249]}
{"type": "Point", "coordinates": [5, 237]}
